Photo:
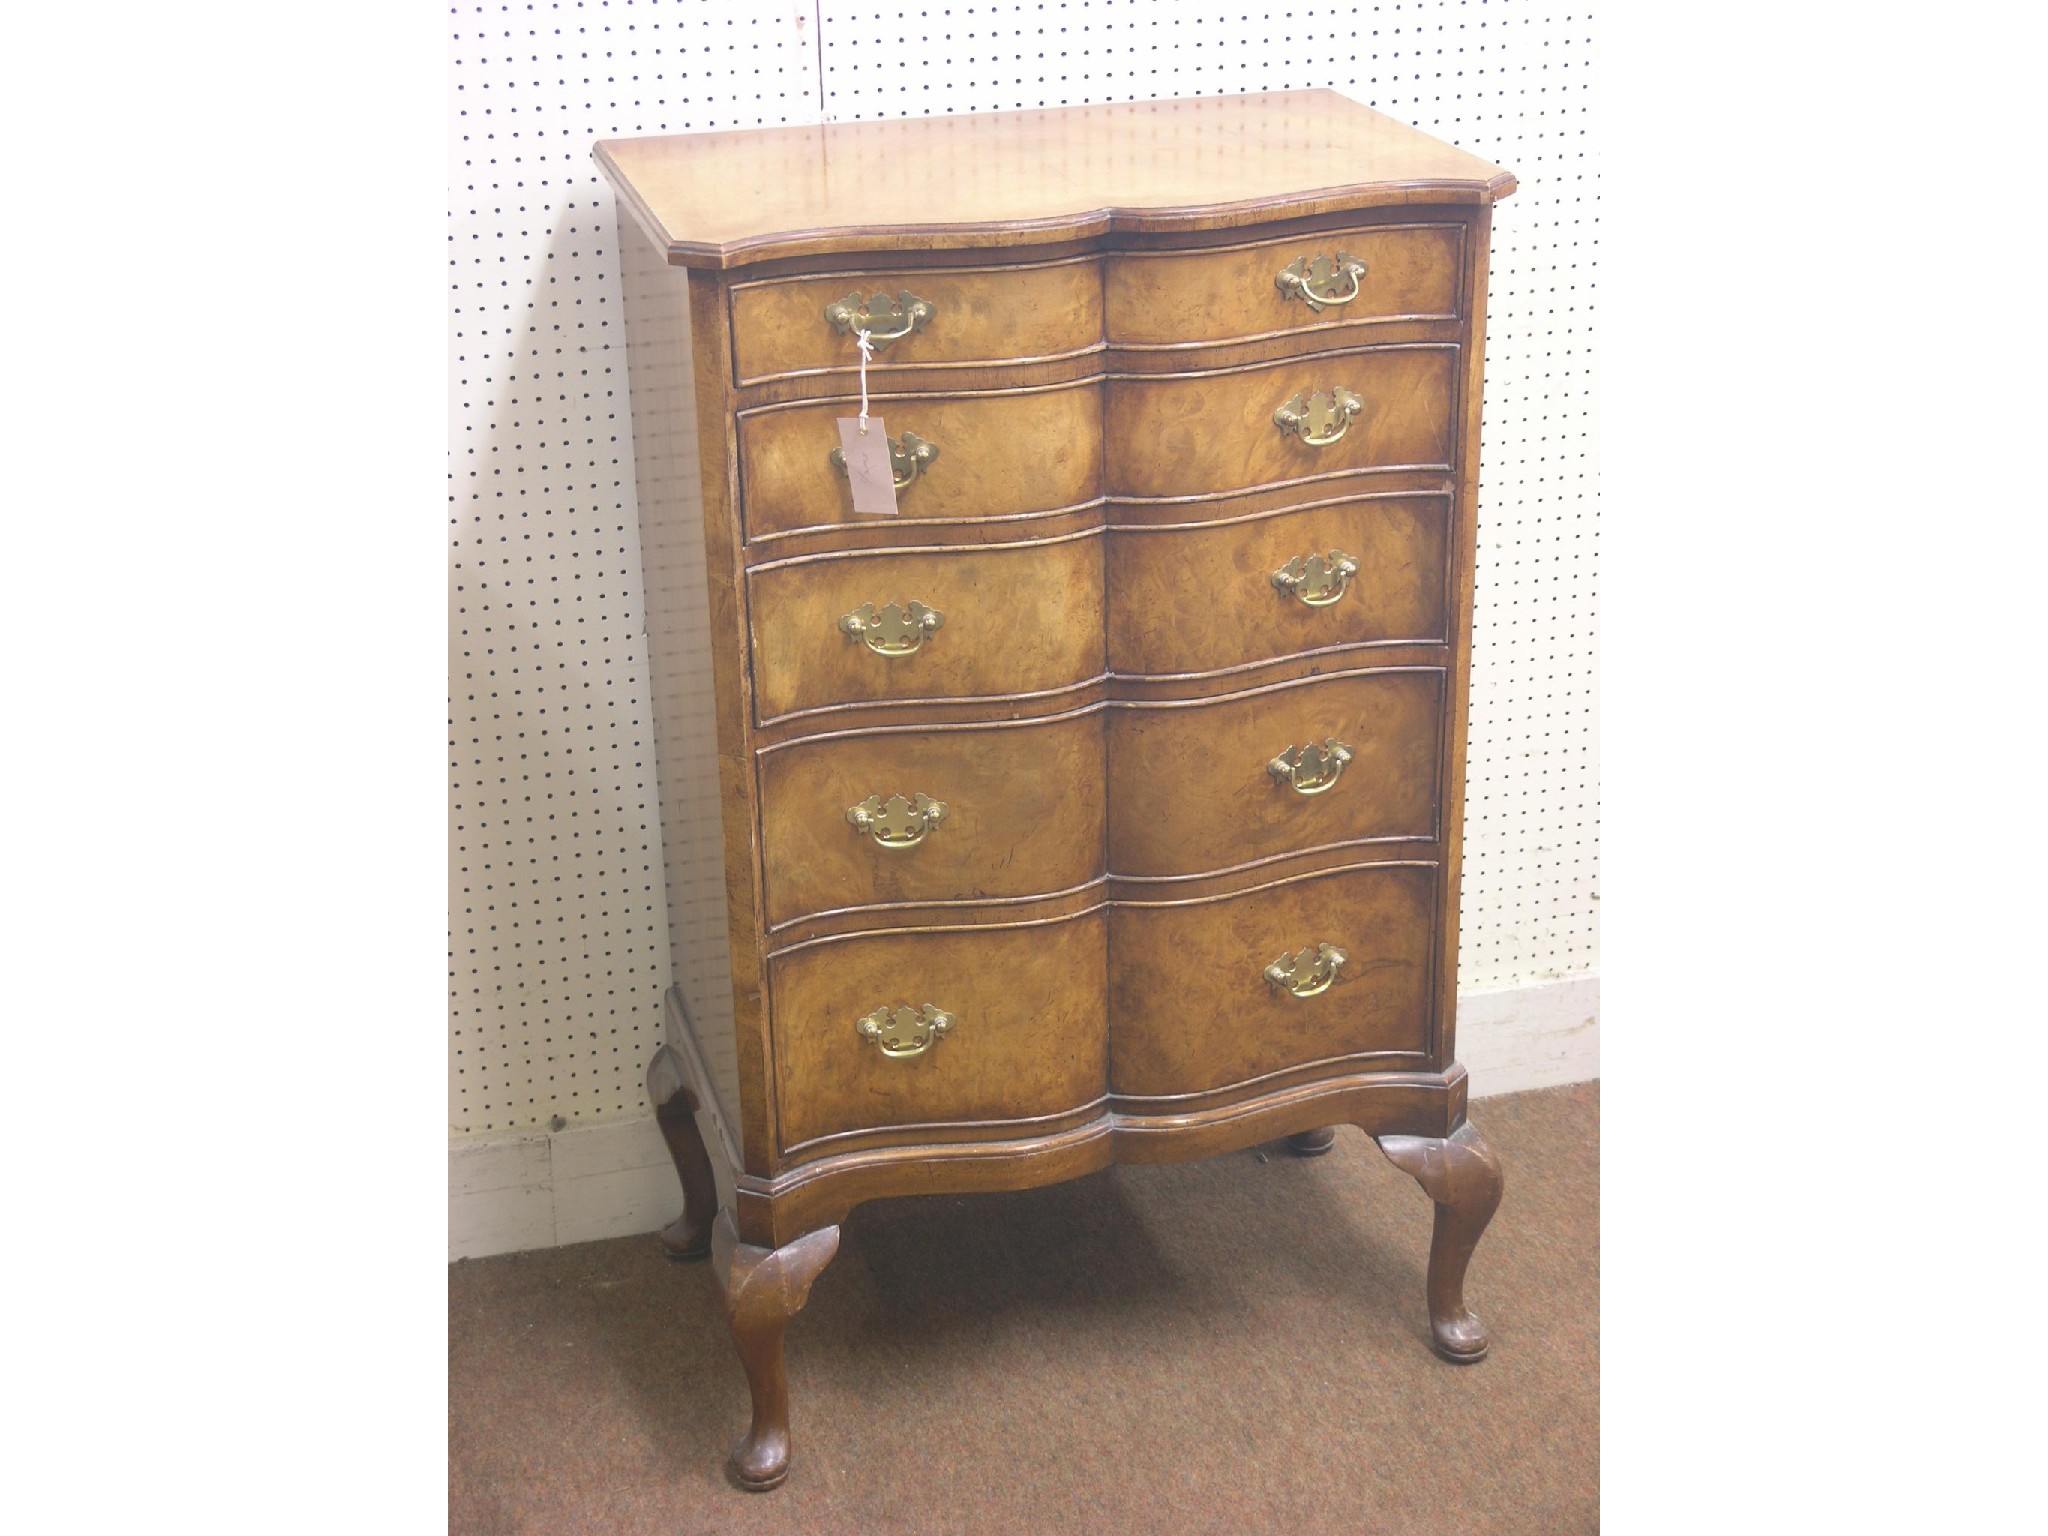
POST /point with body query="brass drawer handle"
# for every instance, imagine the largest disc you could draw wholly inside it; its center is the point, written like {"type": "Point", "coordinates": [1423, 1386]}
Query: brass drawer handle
{"type": "Point", "coordinates": [1311, 769]}
{"type": "Point", "coordinates": [907, 456]}
{"type": "Point", "coordinates": [901, 1033]}
{"type": "Point", "coordinates": [896, 822]}
{"type": "Point", "coordinates": [1319, 419]}
{"type": "Point", "coordinates": [894, 631]}
{"type": "Point", "coordinates": [1318, 580]}
{"type": "Point", "coordinates": [1314, 280]}
{"type": "Point", "coordinates": [1308, 974]}
{"type": "Point", "coordinates": [883, 318]}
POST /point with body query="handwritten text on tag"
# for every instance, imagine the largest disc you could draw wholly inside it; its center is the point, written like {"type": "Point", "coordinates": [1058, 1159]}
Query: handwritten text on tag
{"type": "Point", "coordinates": [867, 465]}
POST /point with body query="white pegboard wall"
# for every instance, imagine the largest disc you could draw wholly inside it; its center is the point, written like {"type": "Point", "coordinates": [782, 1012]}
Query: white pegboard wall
{"type": "Point", "coordinates": [558, 945]}
{"type": "Point", "coordinates": [558, 942]}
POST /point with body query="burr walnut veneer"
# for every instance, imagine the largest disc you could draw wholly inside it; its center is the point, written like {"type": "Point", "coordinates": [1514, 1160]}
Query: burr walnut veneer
{"type": "Point", "coordinates": [1102, 803]}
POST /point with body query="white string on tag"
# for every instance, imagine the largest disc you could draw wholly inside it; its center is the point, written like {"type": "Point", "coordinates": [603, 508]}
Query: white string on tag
{"type": "Point", "coordinates": [867, 350]}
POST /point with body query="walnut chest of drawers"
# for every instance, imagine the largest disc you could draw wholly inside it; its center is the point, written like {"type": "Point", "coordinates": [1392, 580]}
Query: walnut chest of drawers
{"type": "Point", "coordinates": [1101, 802]}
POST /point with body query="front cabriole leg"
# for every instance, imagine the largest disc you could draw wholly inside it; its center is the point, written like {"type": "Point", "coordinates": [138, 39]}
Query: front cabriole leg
{"type": "Point", "coordinates": [1461, 1174]}
{"type": "Point", "coordinates": [764, 1289]}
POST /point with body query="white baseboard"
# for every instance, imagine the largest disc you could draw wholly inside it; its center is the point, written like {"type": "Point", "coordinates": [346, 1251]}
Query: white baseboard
{"type": "Point", "coordinates": [612, 1179]}
{"type": "Point", "coordinates": [1529, 1037]}
{"type": "Point", "coordinates": [615, 1179]}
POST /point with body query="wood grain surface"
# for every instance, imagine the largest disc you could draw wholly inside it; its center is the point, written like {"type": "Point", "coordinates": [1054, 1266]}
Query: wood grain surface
{"type": "Point", "coordinates": [1018, 619]}
{"type": "Point", "coordinates": [1026, 450]}
{"type": "Point", "coordinates": [1192, 298]}
{"type": "Point", "coordinates": [1030, 1035]}
{"type": "Point", "coordinates": [1189, 791]}
{"type": "Point", "coordinates": [983, 315]}
{"type": "Point", "coordinates": [1202, 599]}
{"type": "Point", "coordinates": [1015, 179]}
{"type": "Point", "coordinates": [1209, 434]}
{"type": "Point", "coordinates": [1194, 1011]}
{"type": "Point", "coordinates": [1024, 815]}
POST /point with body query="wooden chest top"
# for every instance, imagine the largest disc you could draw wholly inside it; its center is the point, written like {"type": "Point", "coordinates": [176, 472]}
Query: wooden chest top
{"type": "Point", "coordinates": [1010, 179]}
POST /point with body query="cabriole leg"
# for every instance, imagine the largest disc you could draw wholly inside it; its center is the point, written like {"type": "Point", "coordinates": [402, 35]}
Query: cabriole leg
{"type": "Point", "coordinates": [1461, 1174]}
{"type": "Point", "coordinates": [675, 1111]}
{"type": "Point", "coordinates": [764, 1289]}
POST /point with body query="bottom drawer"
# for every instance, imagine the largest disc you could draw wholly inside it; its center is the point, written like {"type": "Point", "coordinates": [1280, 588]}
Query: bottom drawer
{"type": "Point", "coordinates": [1027, 1034]}
{"type": "Point", "coordinates": [1195, 1011]}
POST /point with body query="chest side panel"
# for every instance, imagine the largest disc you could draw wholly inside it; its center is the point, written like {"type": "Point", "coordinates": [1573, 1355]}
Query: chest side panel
{"type": "Point", "coordinates": [674, 571]}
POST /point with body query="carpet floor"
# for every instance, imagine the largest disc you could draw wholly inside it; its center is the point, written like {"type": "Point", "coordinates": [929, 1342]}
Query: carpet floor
{"type": "Point", "coordinates": [1233, 1346]}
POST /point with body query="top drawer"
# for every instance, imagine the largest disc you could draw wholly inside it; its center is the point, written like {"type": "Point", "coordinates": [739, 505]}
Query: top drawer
{"type": "Point", "coordinates": [969, 315]}
{"type": "Point", "coordinates": [1270, 288]}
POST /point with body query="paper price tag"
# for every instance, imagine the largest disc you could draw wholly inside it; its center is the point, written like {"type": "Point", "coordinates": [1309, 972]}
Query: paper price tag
{"type": "Point", "coordinates": [867, 465]}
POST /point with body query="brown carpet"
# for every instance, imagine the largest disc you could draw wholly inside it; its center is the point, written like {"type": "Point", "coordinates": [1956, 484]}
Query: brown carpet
{"type": "Point", "coordinates": [1233, 1346]}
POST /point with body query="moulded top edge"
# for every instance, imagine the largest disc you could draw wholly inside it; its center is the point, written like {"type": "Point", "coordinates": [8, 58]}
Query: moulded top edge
{"type": "Point", "coordinates": [721, 200]}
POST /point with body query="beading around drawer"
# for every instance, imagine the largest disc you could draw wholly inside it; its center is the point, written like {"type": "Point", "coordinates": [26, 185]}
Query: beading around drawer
{"type": "Point", "coordinates": [1173, 300]}
{"type": "Point", "coordinates": [1027, 312]}
{"type": "Point", "coordinates": [1003, 453]}
{"type": "Point", "coordinates": [1018, 618]}
{"type": "Point", "coordinates": [1192, 599]}
{"type": "Point", "coordinates": [1191, 789]}
{"type": "Point", "coordinates": [1024, 807]}
{"type": "Point", "coordinates": [1029, 1034]}
{"type": "Point", "coordinates": [1198, 1009]}
{"type": "Point", "coordinates": [1202, 436]}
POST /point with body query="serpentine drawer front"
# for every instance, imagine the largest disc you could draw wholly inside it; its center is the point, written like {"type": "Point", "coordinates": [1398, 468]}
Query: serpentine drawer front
{"type": "Point", "coordinates": [1199, 436]}
{"type": "Point", "coordinates": [1027, 1036]}
{"type": "Point", "coordinates": [1223, 596]}
{"type": "Point", "coordinates": [1197, 1012]}
{"type": "Point", "coordinates": [1103, 801]}
{"type": "Point", "coordinates": [854, 627]}
{"type": "Point", "coordinates": [1019, 811]}
{"type": "Point", "coordinates": [998, 455]}
{"type": "Point", "coordinates": [1243, 779]}
{"type": "Point", "coordinates": [1002, 314]}
{"type": "Point", "coordinates": [1337, 281]}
